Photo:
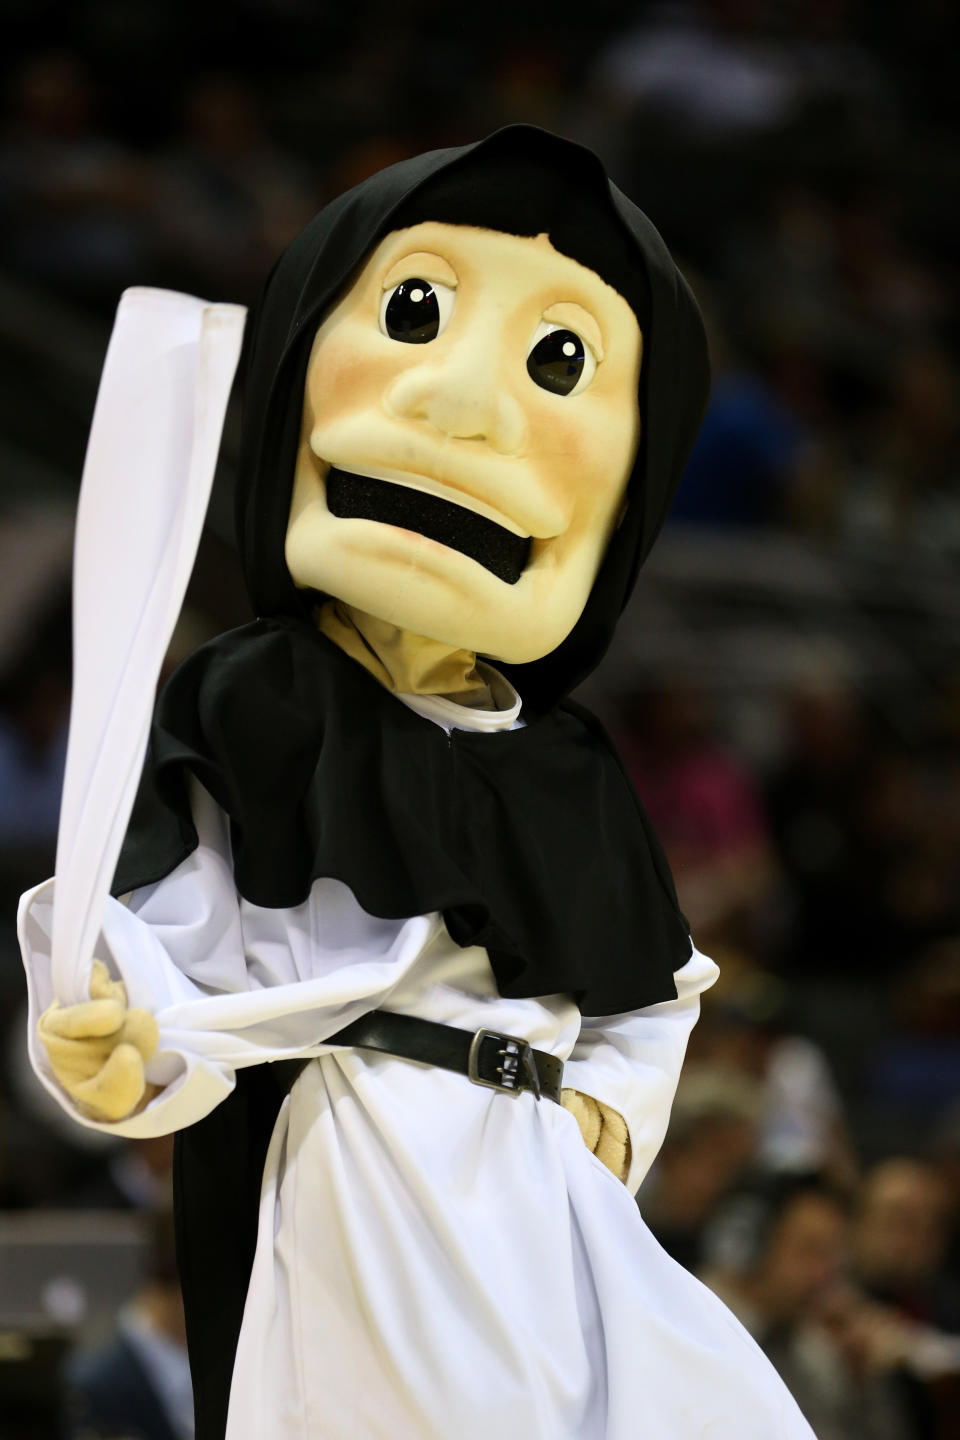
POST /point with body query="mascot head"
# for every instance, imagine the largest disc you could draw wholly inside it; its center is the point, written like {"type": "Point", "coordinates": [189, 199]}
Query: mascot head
{"type": "Point", "coordinates": [472, 384]}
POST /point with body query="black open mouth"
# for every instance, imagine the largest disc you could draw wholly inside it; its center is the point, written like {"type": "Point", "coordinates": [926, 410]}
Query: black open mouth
{"type": "Point", "coordinates": [360, 498]}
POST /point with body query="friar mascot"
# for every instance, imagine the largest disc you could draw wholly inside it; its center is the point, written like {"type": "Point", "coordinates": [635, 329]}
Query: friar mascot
{"type": "Point", "coordinates": [391, 944]}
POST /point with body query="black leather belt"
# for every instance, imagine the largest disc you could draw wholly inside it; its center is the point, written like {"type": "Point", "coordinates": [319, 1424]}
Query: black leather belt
{"type": "Point", "coordinates": [487, 1057]}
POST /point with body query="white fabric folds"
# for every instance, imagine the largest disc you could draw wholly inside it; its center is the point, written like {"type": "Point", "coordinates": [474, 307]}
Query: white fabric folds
{"type": "Point", "coordinates": [146, 483]}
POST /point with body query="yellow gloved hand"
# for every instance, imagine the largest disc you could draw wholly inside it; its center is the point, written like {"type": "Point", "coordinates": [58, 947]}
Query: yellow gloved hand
{"type": "Point", "coordinates": [98, 1049]}
{"type": "Point", "coordinates": [604, 1130]}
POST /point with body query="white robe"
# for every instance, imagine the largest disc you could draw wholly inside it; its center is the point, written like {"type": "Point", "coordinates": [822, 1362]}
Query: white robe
{"type": "Point", "coordinates": [434, 1258]}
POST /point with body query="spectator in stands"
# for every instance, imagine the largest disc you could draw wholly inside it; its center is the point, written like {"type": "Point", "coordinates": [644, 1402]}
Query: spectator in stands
{"type": "Point", "coordinates": [746, 456]}
{"type": "Point", "coordinates": [750, 448]}
{"type": "Point", "coordinates": [916, 453]}
{"type": "Point", "coordinates": [744, 1029]}
{"type": "Point", "coordinates": [701, 68]}
{"type": "Point", "coordinates": [711, 1141]}
{"type": "Point", "coordinates": [137, 1386]}
{"type": "Point", "coordinates": [776, 1256]}
{"type": "Point", "coordinates": [77, 198]}
{"type": "Point", "coordinates": [721, 70]}
{"type": "Point", "coordinates": [704, 803]}
{"type": "Point", "coordinates": [34, 711]}
{"type": "Point", "coordinates": [901, 1235]}
{"type": "Point", "coordinates": [34, 708]}
{"type": "Point", "coordinates": [814, 801]}
{"type": "Point", "coordinates": [945, 1157]}
{"type": "Point", "coordinates": [134, 1175]}
{"type": "Point", "coordinates": [900, 1243]}
{"type": "Point", "coordinates": [227, 199]}
{"type": "Point", "coordinates": [916, 1073]}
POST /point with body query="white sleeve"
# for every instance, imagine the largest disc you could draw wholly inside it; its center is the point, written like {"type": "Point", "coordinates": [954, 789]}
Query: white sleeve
{"type": "Point", "coordinates": [200, 901]}
{"type": "Point", "coordinates": [632, 1061]}
{"type": "Point", "coordinates": [192, 1083]}
{"type": "Point", "coordinates": [183, 949]}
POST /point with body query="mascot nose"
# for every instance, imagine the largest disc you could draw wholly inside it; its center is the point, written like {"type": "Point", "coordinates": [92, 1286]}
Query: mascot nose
{"type": "Point", "coordinates": [463, 398]}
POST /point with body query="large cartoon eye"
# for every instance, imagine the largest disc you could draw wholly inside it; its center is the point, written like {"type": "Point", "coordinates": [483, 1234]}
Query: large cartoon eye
{"type": "Point", "coordinates": [416, 311]}
{"type": "Point", "coordinates": [559, 360]}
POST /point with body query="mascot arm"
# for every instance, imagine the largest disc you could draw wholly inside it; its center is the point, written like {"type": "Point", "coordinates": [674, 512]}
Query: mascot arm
{"type": "Point", "coordinates": [173, 1012]}
{"type": "Point", "coordinates": [133, 1059]}
{"type": "Point", "coordinates": [627, 1066]}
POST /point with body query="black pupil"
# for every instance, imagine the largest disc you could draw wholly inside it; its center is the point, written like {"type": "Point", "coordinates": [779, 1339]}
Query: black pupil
{"type": "Point", "coordinates": [413, 314]}
{"type": "Point", "coordinates": [556, 361]}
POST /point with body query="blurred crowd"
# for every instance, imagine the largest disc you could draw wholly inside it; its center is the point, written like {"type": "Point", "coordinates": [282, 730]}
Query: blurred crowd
{"type": "Point", "coordinates": [799, 159]}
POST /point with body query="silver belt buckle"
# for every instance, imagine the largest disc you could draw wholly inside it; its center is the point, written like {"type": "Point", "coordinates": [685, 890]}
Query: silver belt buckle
{"type": "Point", "coordinates": [516, 1060]}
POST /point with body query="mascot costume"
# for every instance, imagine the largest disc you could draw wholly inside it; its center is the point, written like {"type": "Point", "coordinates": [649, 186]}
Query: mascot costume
{"type": "Point", "coordinates": [391, 944]}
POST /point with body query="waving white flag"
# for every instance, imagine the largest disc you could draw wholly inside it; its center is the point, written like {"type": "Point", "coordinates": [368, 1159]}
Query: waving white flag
{"type": "Point", "coordinates": [146, 483]}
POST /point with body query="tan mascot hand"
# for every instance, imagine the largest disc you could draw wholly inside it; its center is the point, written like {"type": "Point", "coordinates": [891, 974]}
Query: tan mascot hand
{"type": "Point", "coordinates": [98, 1049]}
{"type": "Point", "coordinates": [604, 1130]}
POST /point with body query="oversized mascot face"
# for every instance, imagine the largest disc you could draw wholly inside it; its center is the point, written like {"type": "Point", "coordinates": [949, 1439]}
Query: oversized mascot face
{"type": "Point", "coordinates": [470, 420]}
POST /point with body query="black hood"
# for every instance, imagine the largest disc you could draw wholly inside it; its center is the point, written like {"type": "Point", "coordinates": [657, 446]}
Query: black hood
{"type": "Point", "coordinates": [586, 217]}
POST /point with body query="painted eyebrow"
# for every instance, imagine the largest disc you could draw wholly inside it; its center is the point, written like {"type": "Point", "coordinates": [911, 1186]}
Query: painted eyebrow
{"type": "Point", "coordinates": [421, 265]}
{"type": "Point", "coordinates": [574, 317]}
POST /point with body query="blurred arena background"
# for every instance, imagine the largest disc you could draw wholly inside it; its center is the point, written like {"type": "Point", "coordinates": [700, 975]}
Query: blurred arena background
{"type": "Point", "coordinates": [786, 691]}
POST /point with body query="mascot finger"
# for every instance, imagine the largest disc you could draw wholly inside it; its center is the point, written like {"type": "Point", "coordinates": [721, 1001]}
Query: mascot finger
{"type": "Point", "coordinates": [88, 1020]}
{"type": "Point", "coordinates": [116, 1089]}
{"type": "Point", "coordinates": [586, 1112]}
{"type": "Point", "coordinates": [74, 1061]}
{"type": "Point", "coordinates": [140, 1030]}
{"type": "Point", "coordinates": [613, 1145]}
{"type": "Point", "coordinates": [103, 988]}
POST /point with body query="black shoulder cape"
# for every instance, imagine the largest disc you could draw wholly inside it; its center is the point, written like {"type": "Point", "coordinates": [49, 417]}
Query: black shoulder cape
{"type": "Point", "coordinates": [531, 842]}
{"type": "Point", "coordinates": [323, 772]}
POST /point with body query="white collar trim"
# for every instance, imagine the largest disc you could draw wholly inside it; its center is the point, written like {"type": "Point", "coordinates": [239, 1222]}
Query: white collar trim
{"type": "Point", "coordinates": [452, 716]}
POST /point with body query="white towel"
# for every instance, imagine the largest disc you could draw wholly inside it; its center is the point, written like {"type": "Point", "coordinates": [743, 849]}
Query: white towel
{"type": "Point", "coordinates": [146, 483]}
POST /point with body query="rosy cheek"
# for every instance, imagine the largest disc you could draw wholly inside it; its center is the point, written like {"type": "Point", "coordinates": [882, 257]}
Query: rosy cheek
{"type": "Point", "coordinates": [342, 377]}
{"type": "Point", "coordinates": [595, 465]}
{"type": "Point", "coordinates": [338, 376]}
{"type": "Point", "coordinates": [569, 455]}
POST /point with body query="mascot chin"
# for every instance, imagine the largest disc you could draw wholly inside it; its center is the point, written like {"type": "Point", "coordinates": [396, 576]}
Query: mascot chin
{"type": "Point", "coordinates": [391, 943]}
